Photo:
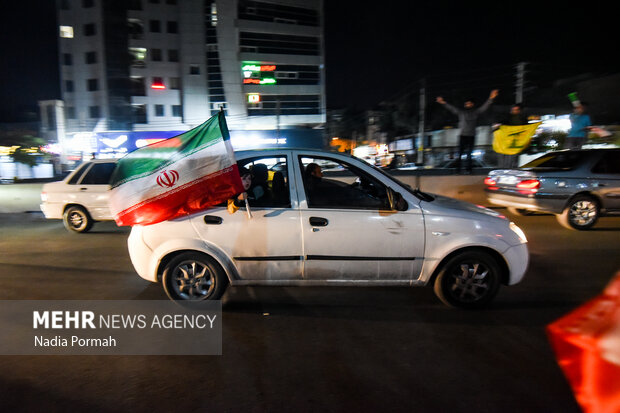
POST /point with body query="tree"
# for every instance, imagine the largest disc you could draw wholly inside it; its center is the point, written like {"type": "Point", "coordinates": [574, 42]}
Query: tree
{"type": "Point", "coordinates": [27, 146]}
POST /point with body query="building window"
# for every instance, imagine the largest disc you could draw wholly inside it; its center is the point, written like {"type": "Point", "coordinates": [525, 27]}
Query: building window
{"type": "Point", "coordinates": [135, 5]}
{"type": "Point", "coordinates": [175, 83]}
{"type": "Point", "coordinates": [92, 85]}
{"type": "Point", "coordinates": [68, 86]}
{"type": "Point", "coordinates": [138, 86]}
{"type": "Point", "coordinates": [159, 110]}
{"type": "Point", "coordinates": [158, 83]}
{"type": "Point", "coordinates": [138, 55]}
{"type": "Point", "coordinates": [70, 112]}
{"type": "Point", "coordinates": [138, 112]}
{"type": "Point", "coordinates": [172, 27]}
{"type": "Point", "coordinates": [87, 4]}
{"type": "Point", "coordinates": [156, 55]}
{"type": "Point", "coordinates": [154, 26]}
{"type": "Point", "coordinates": [173, 55]}
{"type": "Point", "coordinates": [90, 29]}
{"type": "Point", "coordinates": [194, 70]}
{"type": "Point", "coordinates": [278, 44]}
{"type": "Point", "coordinates": [90, 57]}
{"type": "Point", "coordinates": [176, 111]}
{"type": "Point", "coordinates": [66, 32]}
{"type": "Point", "coordinates": [67, 59]}
{"type": "Point", "coordinates": [136, 29]}
{"type": "Point", "coordinates": [93, 111]}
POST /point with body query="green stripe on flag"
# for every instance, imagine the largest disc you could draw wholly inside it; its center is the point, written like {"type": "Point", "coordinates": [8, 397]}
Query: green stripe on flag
{"type": "Point", "coordinates": [158, 156]}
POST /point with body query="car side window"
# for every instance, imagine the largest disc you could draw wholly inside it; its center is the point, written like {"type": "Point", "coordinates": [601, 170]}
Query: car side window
{"type": "Point", "coordinates": [334, 184]}
{"type": "Point", "coordinates": [80, 171]}
{"type": "Point", "coordinates": [270, 182]}
{"type": "Point", "coordinates": [608, 164]}
{"type": "Point", "coordinates": [99, 174]}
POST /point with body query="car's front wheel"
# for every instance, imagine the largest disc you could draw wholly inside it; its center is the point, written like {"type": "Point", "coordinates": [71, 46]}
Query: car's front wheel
{"type": "Point", "coordinates": [469, 279]}
{"type": "Point", "coordinates": [194, 276]}
{"type": "Point", "coordinates": [581, 213]}
{"type": "Point", "coordinates": [77, 219]}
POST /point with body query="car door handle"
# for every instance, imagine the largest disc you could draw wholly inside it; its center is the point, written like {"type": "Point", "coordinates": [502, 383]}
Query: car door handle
{"type": "Point", "coordinates": [318, 222]}
{"type": "Point", "coordinates": [83, 189]}
{"type": "Point", "coordinates": [213, 220]}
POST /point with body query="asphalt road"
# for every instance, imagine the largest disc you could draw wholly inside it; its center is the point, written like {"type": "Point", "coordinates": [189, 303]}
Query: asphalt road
{"type": "Point", "coordinates": [309, 349]}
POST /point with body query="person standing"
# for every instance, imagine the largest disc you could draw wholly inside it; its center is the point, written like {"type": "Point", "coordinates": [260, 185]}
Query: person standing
{"type": "Point", "coordinates": [468, 120]}
{"type": "Point", "coordinates": [514, 118]}
{"type": "Point", "coordinates": [580, 124]}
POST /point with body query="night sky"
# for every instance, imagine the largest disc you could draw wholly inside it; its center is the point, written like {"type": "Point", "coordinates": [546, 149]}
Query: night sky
{"type": "Point", "coordinates": [375, 50]}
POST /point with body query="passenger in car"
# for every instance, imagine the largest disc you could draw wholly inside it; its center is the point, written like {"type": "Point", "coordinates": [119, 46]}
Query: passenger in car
{"type": "Point", "coordinates": [246, 179]}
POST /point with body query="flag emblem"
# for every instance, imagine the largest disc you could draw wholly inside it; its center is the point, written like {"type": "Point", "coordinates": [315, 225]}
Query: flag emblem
{"type": "Point", "coordinates": [167, 179]}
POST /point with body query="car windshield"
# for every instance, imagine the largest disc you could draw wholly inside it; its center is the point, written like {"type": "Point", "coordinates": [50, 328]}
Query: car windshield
{"type": "Point", "coordinates": [416, 192]}
{"type": "Point", "coordinates": [557, 160]}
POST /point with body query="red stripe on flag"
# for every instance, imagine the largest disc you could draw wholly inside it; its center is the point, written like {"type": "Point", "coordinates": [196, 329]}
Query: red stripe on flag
{"type": "Point", "coordinates": [192, 197]}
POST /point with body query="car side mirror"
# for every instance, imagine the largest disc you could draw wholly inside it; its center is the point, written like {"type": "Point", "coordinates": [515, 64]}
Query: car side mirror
{"type": "Point", "coordinates": [396, 200]}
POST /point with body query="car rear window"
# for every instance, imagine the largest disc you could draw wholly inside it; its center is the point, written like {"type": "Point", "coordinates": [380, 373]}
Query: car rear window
{"type": "Point", "coordinates": [557, 160]}
{"type": "Point", "coordinates": [99, 174]}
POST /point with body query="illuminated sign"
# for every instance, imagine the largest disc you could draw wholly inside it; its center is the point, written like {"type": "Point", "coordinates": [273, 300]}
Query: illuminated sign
{"type": "Point", "coordinates": [254, 74]}
{"type": "Point", "coordinates": [253, 98]}
{"type": "Point", "coordinates": [158, 86]}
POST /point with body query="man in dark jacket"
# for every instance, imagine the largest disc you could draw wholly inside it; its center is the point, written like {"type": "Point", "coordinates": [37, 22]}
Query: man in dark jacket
{"type": "Point", "coordinates": [468, 120]}
{"type": "Point", "coordinates": [515, 117]}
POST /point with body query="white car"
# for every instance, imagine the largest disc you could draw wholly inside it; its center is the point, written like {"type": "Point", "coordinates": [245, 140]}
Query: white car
{"type": "Point", "coordinates": [355, 226]}
{"type": "Point", "coordinates": [82, 197]}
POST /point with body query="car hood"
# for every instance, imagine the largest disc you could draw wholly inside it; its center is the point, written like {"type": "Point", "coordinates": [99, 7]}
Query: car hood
{"type": "Point", "coordinates": [455, 207]}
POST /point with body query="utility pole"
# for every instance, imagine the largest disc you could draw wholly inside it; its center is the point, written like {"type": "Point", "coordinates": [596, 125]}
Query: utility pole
{"type": "Point", "coordinates": [520, 82]}
{"type": "Point", "coordinates": [420, 146]}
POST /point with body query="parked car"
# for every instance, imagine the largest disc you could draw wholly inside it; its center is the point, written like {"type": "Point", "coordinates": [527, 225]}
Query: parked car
{"type": "Point", "coordinates": [451, 163]}
{"type": "Point", "coordinates": [81, 198]}
{"type": "Point", "coordinates": [578, 186]}
{"type": "Point", "coordinates": [355, 226]}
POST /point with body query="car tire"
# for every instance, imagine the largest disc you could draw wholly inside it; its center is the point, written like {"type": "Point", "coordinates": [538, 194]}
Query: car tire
{"type": "Point", "coordinates": [468, 280]}
{"type": "Point", "coordinates": [77, 219]}
{"type": "Point", "coordinates": [581, 213]}
{"type": "Point", "coordinates": [519, 211]}
{"type": "Point", "coordinates": [193, 276]}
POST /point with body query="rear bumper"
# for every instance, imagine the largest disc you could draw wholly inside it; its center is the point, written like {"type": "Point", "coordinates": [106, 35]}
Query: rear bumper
{"type": "Point", "coordinates": [52, 211]}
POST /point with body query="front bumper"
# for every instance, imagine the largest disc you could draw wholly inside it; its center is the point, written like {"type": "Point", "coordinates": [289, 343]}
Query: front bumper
{"type": "Point", "coordinates": [518, 259]}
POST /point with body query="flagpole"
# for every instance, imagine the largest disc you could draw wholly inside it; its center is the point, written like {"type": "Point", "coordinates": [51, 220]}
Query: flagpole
{"type": "Point", "coordinates": [247, 208]}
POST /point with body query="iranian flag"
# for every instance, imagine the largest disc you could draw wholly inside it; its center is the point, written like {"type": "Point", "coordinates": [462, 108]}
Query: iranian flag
{"type": "Point", "coordinates": [174, 177]}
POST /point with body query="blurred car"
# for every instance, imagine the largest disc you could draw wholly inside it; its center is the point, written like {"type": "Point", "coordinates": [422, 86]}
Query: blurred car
{"type": "Point", "coordinates": [355, 226]}
{"type": "Point", "coordinates": [578, 186]}
{"type": "Point", "coordinates": [81, 198]}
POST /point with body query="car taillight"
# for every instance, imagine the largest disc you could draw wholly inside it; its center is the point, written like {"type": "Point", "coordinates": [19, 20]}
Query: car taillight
{"type": "Point", "coordinates": [529, 184]}
{"type": "Point", "coordinates": [489, 181]}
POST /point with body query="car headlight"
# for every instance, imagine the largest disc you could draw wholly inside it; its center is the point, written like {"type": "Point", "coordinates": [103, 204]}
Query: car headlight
{"type": "Point", "coordinates": [519, 232]}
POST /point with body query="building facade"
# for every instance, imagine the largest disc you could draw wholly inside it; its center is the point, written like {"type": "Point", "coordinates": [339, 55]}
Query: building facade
{"type": "Point", "coordinates": [168, 65]}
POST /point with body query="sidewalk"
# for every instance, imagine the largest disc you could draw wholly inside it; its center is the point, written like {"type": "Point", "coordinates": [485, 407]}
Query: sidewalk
{"type": "Point", "coordinates": [20, 197]}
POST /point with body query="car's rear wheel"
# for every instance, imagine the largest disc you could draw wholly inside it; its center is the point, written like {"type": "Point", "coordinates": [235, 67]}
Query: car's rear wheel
{"type": "Point", "coordinates": [194, 276]}
{"type": "Point", "coordinates": [468, 280]}
{"type": "Point", "coordinates": [581, 213]}
{"type": "Point", "coordinates": [77, 219]}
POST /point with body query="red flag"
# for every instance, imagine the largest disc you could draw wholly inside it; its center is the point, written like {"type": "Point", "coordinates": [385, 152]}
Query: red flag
{"type": "Point", "coordinates": [587, 346]}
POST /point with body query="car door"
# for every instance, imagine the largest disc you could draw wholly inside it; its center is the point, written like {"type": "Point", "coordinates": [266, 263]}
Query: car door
{"type": "Point", "coordinates": [268, 245]}
{"type": "Point", "coordinates": [92, 189]}
{"type": "Point", "coordinates": [606, 175]}
{"type": "Point", "coordinates": [349, 232]}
